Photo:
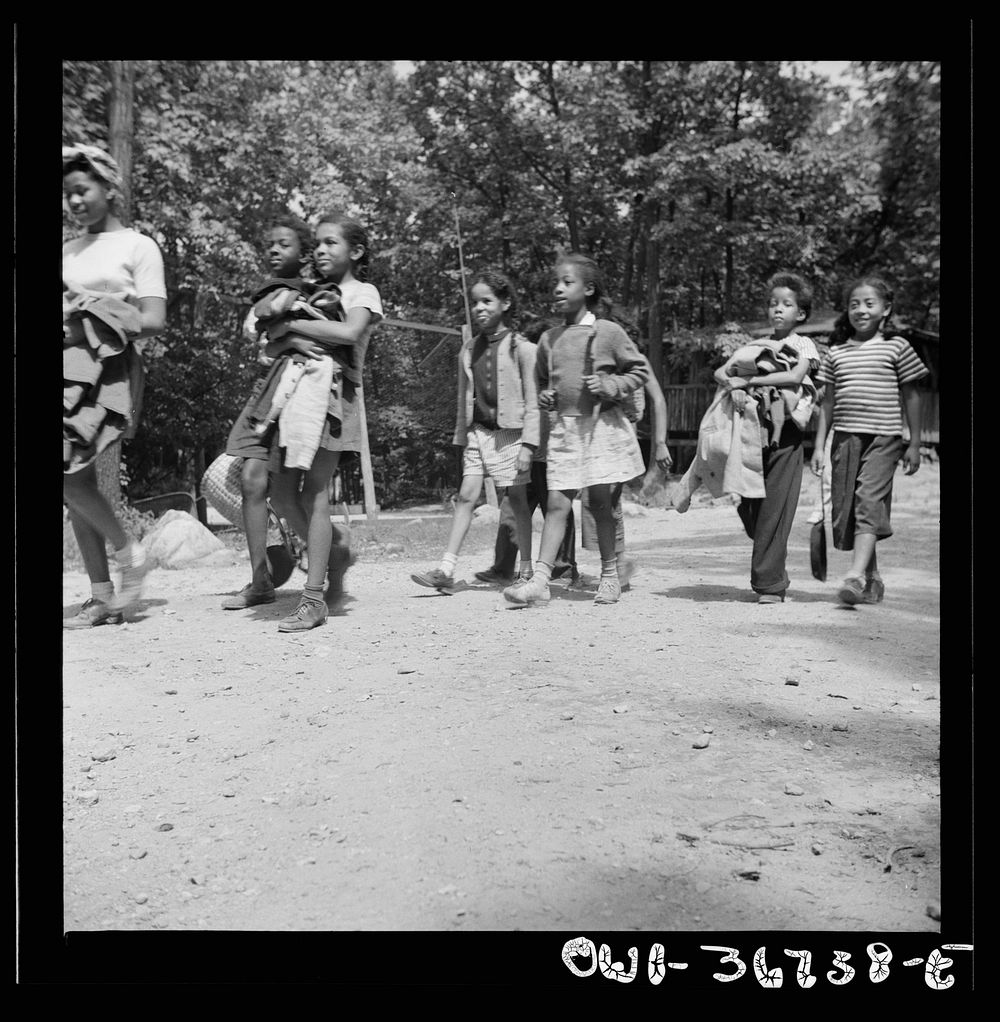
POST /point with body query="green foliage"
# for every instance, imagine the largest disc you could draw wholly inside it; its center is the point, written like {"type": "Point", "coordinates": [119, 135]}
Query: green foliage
{"type": "Point", "coordinates": [691, 182]}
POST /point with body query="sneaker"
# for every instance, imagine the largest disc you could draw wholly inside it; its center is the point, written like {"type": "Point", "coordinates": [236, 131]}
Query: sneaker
{"type": "Point", "coordinates": [609, 590]}
{"type": "Point", "coordinates": [133, 574]}
{"type": "Point", "coordinates": [94, 612]}
{"type": "Point", "coordinates": [494, 577]}
{"type": "Point", "coordinates": [874, 589]}
{"type": "Point", "coordinates": [249, 596]}
{"type": "Point", "coordinates": [434, 579]}
{"type": "Point", "coordinates": [308, 614]}
{"type": "Point", "coordinates": [527, 591]}
{"type": "Point", "coordinates": [771, 598]}
{"type": "Point", "coordinates": [851, 591]}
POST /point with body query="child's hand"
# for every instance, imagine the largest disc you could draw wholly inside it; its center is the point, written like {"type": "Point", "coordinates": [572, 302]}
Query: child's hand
{"type": "Point", "coordinates": [816, 463]}
{"type": "Point", "coordinates": [662, 457]}
{"type": "Point", "coordinates": [305, 346]}
{"type": "Point", "coordinates": [275, 331]}
{"type": "Point", "coordinates": [600, 385]}
{"type": "Point", "coordinates": [736, 383]}
{"type": "Point", "coordinates": [524, 457]}
{"type": "Point", "coordinates": [547, 400]}
{"type": "Point", "coordinates": [739, 399]}
{"type": "Point", "coordinates": [911, 459]}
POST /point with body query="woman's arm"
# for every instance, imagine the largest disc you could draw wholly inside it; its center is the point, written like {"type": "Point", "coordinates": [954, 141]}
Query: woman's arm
{"type": "Point", "coordinates": [153, 314]}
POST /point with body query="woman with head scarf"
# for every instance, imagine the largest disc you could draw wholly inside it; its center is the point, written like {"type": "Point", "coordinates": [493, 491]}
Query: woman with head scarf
{"type": "Point", "coordinates": [113, 294]}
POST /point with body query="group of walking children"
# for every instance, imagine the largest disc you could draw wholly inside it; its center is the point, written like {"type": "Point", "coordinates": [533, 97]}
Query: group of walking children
{"type": "Point", "coordinates": [550, 417]}
{"type": "Point", "coordinates": [561, 404]}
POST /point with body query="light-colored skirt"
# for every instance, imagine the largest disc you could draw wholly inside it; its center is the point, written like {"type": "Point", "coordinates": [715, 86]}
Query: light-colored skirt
{"type": "Point", "coordinates": [589, 451]}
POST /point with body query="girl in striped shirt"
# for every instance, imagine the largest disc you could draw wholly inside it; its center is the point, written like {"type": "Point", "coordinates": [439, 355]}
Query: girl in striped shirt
{"type": "Point", "coordinates": [865, 379]}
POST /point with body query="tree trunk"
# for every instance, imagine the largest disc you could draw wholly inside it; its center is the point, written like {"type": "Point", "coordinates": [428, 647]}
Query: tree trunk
{"type": "Point", "coordinates": [121, 129]}
{"type": "Point", "coordinates": [120, 132]}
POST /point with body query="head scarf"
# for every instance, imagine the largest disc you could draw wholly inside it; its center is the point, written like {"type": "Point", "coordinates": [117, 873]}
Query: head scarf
{"type": "Point", "coordinates": [102, 165]}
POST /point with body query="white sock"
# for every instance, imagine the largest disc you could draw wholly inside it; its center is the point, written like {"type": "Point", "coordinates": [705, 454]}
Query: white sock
{"type": "Point", "coordinates": [103, 591]}
{"type": "Point", "coordinates": [448, 564]}
{"type": "Point", "coordinates": [543, 572]}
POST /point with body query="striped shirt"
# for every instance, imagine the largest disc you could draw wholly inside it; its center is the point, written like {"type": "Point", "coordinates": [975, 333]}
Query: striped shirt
{"type": "Point", "coordinates": [866, 377]}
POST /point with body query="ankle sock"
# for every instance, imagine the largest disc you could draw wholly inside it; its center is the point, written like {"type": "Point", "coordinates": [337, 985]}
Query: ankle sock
{"type": "Point", "coordinates": [543, 572]}
{"type": "Point", "coordinates": [448, 564]}
{"type": "Point", "coordinates": [103, 591]}
{"type": "Point", "coordinates": [314, 594]}
{"type": "Point", "coordinates": [609, 569]}
{"type": "Point", "coordinates": [524, 568]}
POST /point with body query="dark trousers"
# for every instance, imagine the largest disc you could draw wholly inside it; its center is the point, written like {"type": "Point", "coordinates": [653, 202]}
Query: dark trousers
{"type": "Point", "coordinates": [505, 553]}
{"type": "Point", "coordinates": [768, 520]}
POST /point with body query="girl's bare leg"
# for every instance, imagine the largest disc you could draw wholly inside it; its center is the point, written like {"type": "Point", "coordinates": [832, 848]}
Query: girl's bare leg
{"type": "Point", "coordinates": [518, 497]}
{"type": "Point", "coordinates": [465, 504]}
{"type": "Point", "coordinates": [253, 483]}
{"type": "Point", "coordinates": [316, 502]}
{"type": "Point", "coordinates": [86, 502]}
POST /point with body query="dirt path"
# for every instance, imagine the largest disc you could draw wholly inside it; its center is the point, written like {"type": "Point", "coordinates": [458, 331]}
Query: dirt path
{"type": "Point", "coordinates": [435, 763]}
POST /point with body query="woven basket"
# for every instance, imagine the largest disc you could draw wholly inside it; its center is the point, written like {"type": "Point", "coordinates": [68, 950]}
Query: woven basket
{"type": "Point", "coordinates": [221, 486]}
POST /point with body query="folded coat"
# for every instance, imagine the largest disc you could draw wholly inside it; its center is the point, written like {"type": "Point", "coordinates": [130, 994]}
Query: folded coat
{"type": "Point", "coordinates": [730, 456]}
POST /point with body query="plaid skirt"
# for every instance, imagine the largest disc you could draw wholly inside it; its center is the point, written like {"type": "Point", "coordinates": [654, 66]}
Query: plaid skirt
{"type": "Point", "coordinates": [591, 451]}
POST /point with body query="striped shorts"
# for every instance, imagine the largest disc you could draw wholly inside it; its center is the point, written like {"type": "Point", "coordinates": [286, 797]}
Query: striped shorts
{"type": "Point", "coordinates": [493, 452]}
{"type": "Point", "coordinates": [584, 451]}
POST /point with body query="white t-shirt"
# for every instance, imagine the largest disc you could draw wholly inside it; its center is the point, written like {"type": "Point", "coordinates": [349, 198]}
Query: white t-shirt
{"type": "Point", "coordinates": [359, 294]}
{"type": "Point", "coordinates": [124, 263]}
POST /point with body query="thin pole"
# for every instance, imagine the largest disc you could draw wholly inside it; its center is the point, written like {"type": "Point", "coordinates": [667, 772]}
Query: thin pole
{"type": "Point", "coordinates": [461, 266]}
{"type": "Point", "coordinates": [492, 498]}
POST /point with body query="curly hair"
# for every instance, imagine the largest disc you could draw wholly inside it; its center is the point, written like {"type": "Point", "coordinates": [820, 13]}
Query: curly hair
{"type": "Point", "coordinates": [798, 287]}
{"type": "Point", "coordinates": [301, 229]}
{"type": "Point", "coordinates": [500, 284]}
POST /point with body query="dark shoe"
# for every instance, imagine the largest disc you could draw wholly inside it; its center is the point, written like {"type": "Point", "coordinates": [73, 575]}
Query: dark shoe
{"type": "Point", "coordinates": [249, 596]}
{"type": "Point", "coordinates": [874, 589]}
{"type": "Point", "coordinates": [434, 579]}
{"type": "Point", "coordinates": [308, 614]}
{"type": "Point", "coordinates": [494, 577]}
{"type": "Point", "coordinates": [852, 591]}
{"type": "Point", "coordinates": [93, 612]}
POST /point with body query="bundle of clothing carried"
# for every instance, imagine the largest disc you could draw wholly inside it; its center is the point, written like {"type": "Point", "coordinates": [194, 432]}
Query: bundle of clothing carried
{"type": "Point", "coordinates": [775, 404]}
{"type": "Point", "coordinates": [730, 456]}
{"type": "Point", "coordinates": [300, 392]}
{"type": "Point", "coordinates": [103, 374]}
